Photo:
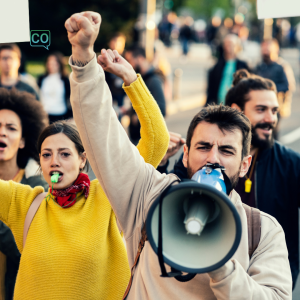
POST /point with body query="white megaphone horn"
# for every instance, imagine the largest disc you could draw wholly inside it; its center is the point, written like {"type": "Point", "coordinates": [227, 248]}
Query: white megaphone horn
{"type": "Point", "coordinates": [193, 226]}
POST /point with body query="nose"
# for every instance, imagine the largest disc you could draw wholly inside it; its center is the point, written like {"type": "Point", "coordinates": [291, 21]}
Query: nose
{"type": "Point", "coordinates": [3, 131]}
{"type": "Point", "coordinates": [270, 116]}
{"type": "Point", "coordinates": [54, 161]}
{"type": "Point", "coordinates": [213, 155]}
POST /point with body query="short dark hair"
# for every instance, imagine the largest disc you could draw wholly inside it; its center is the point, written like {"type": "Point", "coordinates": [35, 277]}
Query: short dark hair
{"type": "Point", "coordinates": [243, 84]}
{"type": "Point", "coordinates": [136, 51]}
{"type": "Point", "coordinates": [13, 47]}
{"type": "Point", "coordinates": [33, 120]}
{"type": "Point", "coordinates": [227, 119]}
{"type": "Point", "coordinates": [69, 130]}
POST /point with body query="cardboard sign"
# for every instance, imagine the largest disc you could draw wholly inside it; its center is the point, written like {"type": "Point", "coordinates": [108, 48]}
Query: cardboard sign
{"type": "Point", "coordinates": [14, 21]}
{"type": "Point", "coordinates": [278, 8]}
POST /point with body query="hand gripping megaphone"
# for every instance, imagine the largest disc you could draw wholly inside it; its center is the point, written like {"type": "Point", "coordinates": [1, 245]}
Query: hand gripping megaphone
{"type": "Point", "coordinates": [193, 226]}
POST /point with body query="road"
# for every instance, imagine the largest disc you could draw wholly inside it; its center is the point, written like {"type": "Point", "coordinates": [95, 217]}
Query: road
{"type": "Point", "coordinates": [194, 83]}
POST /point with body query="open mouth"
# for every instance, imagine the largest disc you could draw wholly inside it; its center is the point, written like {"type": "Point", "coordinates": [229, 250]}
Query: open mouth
{"type": "Point", "coordinates": [2, 146]}
{"type": "Point", "coordinates": [60, 174]}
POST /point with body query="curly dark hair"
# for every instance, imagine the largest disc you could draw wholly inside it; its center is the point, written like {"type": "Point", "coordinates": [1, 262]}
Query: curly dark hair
{"type": "Point", "coordinates": [33, 120]}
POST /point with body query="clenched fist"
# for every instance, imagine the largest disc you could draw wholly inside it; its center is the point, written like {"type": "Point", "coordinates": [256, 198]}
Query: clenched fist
{"type": "Point", "coordinates": [83, 29]}
{"type": "Point", "coordinates": [113, 62]}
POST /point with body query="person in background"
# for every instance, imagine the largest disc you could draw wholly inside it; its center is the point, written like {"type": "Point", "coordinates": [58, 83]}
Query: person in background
{"type": "Point", "coordinates": [284, 99]}
{"type": "Point", "coordinates": [136, 56]}
{"type": "Point", "coordinates": [55, 89]}
{"type": "Point", "coordinates": [186, 35]}
{"type": "Point", "coordinates": [22, 119]}
{"type": "Point", "coordinates": [220, 76]}
{"type": "Point", "coordinates": [27, 77]}
{"type": "Point", "coordinates": [270, 69]}
{"type": "Point", "coordinates": [10, 61]}
{"type": "Point", "coordinates": [114, 82]}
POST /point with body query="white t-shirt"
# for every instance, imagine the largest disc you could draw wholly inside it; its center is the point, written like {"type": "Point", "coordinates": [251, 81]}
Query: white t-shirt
{"type": "Point", "coordinates": [53, 95]}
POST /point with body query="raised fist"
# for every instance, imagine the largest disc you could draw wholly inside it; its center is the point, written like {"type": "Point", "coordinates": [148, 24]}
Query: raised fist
{"type": "Point", "coordinates": [83, 29]}
{"type": "Point", "coordinates": [113, 62]}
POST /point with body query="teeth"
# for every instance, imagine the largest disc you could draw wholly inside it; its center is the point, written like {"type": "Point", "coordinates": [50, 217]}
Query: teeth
{"type": "Point", "coordinates": [54, 173]}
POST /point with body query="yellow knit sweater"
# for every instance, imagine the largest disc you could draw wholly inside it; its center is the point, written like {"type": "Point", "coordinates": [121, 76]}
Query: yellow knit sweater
{"type": "Point", "coordinates": [78, 252]}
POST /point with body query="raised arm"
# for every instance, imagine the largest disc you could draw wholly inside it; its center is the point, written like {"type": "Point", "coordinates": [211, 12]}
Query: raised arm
{"type": "Point", "coordinates": [154, 134]}
{"type": "Point", "coordinates": [129, 183]}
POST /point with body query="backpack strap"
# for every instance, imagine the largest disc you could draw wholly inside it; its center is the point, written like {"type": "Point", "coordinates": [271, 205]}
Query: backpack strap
{"type": "Point", "coordinates": [140, 248]}
{"type": "Point", "coordinates": [254, 231]}
{"type": "Point", "coordinates": [31, 213]}
{"type": "Point", "coordinates": [254, 228]}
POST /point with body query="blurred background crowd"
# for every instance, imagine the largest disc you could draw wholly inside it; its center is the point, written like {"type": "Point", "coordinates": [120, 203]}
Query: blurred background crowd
{"type": "Point", "coordinates": [186, 51]}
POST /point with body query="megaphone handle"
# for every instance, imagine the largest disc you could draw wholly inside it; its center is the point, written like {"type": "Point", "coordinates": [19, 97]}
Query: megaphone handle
{"type": "Point", "coordinates": [159, 248]}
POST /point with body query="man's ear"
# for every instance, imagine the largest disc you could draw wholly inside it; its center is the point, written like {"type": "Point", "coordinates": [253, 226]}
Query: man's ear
{"type": "Point", "coordinates": [22, 143]}
{"type": "Point", "coordinates": [246, 163]}
{"type": "Point", "coordinates": [185, 155]}
{"type": "Point", "coordinates": [235, 106]}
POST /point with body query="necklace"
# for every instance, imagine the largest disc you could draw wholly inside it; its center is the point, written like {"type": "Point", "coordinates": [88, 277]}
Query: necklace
{"type": "Point", "coordinates": [248, 182]}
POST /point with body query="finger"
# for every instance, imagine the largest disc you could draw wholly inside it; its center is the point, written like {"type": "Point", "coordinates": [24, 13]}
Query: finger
{"type": "Point", "coordinates": [182, 141]}
{"type": "Point", "coordinates": [117, 55]}
{"type": "Point", "coordinates": [83, 22]}
{"type": "Point", "coordinates": [101, 61]}
{"type": "Point", "coordinates": [105, 59]}
{"type": "Point", "coordinates": [94, 17]}
{"type": "Point", "coordinates": [175, 134]}
{"type": "Point", "coordinates": [171, 146]}
{"type": "Point", "coordinates": [74, 23]}
{"type": "Point", "coordinates": [68, 26]}
{"type": "Point", "coordinates": [111, 55]}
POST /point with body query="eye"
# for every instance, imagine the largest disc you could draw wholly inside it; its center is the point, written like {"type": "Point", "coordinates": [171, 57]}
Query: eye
{"type": "Point", "coordinates": [202, 148]}
{"type": "Point", "coordinates": [45, 155]}
{"type": "Point", "coordinates": [227, 152]}
{"type": "Point", "coordinates": [12, 129]}
{"type": "Point", "coordinates": [65, 154]}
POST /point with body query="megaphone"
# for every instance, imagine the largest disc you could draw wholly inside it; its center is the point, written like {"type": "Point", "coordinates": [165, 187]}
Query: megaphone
{"type": "Point", "coordinates": [193, 226]}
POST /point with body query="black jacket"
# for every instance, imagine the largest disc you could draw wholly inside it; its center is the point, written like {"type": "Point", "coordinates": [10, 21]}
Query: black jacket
{"type": "Point", "coordinates": [274, 72]}
{"type": "Point", "coordinates": [277, 181]}
{"type": "Point", "coordinates": [69, 113]}
{"type": "Point", "coordinates": [215, 77]}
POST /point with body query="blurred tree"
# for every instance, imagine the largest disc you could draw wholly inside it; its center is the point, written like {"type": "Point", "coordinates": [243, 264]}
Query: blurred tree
{"type": "Point", "coordinates": [206, 8]}
{"type": "Point", "coordinates": [117, 15]}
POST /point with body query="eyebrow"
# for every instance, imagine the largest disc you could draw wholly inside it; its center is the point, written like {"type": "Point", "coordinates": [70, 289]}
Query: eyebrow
{"type": "Point", "coordinates": [59, 149]}
{"type": "Point", "coordinates": [264, 106]}
{"type": "Point", "coordinates": [10, 124]}
{"type": "Point", "coordinates": [202, 143]}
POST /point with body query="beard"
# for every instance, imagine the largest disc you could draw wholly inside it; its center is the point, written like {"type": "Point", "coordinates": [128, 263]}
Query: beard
{"type": "Point", "coordinates": [259, 143]}
{"type": "Point", "coordinates": [234, 179]}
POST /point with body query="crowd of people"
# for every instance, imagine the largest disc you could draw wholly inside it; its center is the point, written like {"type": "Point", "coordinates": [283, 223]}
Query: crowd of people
{"type": "Point", "coordinates": [86, 238]}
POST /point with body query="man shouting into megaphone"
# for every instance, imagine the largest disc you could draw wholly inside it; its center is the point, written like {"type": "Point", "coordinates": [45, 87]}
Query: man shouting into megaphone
{"type": "Point", "coordinates": [220, 135]}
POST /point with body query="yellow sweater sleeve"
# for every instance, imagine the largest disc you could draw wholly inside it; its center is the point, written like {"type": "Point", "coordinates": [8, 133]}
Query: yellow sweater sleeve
{"type": "Point", "coordinates": [154, 141]}
{"type": "Point", "coordinates": [14, 203]}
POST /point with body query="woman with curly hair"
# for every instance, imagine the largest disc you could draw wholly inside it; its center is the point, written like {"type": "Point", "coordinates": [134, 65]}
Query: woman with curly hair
{"type": "Point", "coordinates": [22, 119]}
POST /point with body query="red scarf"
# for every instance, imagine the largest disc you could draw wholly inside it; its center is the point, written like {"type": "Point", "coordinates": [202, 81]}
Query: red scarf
{"type": "Point", "coordinates": [66, 198]}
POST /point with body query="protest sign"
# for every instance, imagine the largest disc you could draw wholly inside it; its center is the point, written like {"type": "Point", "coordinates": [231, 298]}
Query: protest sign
{"type": "Point", "coordinates": [278, 8]}
{"type": "Point", "coordinates": [14, 21]}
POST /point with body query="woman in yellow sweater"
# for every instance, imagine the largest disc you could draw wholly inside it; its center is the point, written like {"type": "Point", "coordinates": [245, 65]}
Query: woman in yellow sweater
{"type": "Point", "coordinates": [74, 249]}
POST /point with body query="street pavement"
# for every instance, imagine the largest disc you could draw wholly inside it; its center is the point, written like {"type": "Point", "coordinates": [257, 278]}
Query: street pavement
{"type": "Point", "coordinates": [193, 86]}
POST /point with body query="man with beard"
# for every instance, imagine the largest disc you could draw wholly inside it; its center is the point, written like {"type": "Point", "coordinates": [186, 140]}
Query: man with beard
{"type": "Point", "coordinates": [219, 135]}
{"type": "Point", "coordinates": [272, 182]}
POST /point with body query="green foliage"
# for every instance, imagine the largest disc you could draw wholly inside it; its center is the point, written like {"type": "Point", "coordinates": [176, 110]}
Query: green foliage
{"type": "Point", "coordinates": [206, 8]}
{"type": "Point", "coordinates": [117, 15]}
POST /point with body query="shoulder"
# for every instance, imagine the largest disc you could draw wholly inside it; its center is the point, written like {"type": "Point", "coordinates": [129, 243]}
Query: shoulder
{"type": "Point", "coordinates": [241, 64]}
{"type": "Point", "coordinates": [285, 152]}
